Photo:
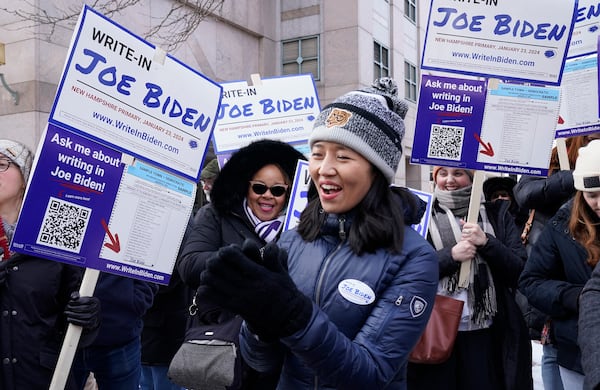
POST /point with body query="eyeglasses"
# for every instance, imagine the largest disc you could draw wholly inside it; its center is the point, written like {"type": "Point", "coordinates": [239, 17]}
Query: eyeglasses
{"type": "Point", "coordinates": [4, 164]}
{"type": "Point", "coordinates": [259, 188]}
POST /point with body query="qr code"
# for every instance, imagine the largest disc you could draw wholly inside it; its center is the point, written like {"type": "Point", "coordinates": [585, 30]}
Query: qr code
{"type": "Point", "coordinates": [64, 225]}
{"type": "Point", "coordinates": [446, 142]}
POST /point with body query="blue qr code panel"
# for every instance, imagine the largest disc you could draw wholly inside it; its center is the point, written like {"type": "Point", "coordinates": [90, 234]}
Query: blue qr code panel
{"type": "Point", "coordinates": [64, 225]}
{"type": "Point", "coordinates": [446, 142]}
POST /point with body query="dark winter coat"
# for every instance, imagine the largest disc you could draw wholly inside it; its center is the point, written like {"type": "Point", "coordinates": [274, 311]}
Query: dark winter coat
{"type": "Point", "coordinates": [506, 256]}
{"type": "Point", "coordinates": [589, 337]}
{"type": "Point", "coordinates": [347, 345]}
{"type": "Point", "coordinates": [545, 196]}
{"type": "Point", "coordinates": [124, 302]}
{"type": "Point", "coordinates": [552, 280]}
{"type": "Point", "coordinates": [165, 322]}
{"type": "Point", "coordinates": [32, 323]}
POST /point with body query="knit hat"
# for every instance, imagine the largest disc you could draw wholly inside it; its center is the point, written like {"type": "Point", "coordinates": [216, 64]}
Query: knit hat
{"type": "Point", "coordinates": [369, 121]}
{"type": "Point", "coordinates": [18, 154]}
{"type": "Point", "coordinates": [437, 168]}
{"type": "Point", "coordinates": [498, 183]}
{"type": "Point", "coordinates": [586, 175]}
{"type": "Point", "coordinates": [211, 170]}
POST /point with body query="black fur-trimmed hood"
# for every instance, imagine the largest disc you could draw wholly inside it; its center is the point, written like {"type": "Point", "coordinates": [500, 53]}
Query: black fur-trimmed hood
{"type": "Point", "coordinates": [231, 186]}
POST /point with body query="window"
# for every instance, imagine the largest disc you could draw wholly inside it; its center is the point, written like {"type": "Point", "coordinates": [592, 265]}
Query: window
{"type": "Point", "coordinates": [301, 56]}
{"type": "Point", "coordinates": [410, 82]}
{"type": "Point", "coordinates": [410, 10]}
{"type": "Point", "coordinates": [381, 62]}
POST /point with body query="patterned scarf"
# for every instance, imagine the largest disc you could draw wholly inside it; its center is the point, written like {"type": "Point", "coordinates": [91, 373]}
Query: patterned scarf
{"type": "Point", "coordinates": [267, 230]}
{"type": "Point", "coordinates": [446, 232]}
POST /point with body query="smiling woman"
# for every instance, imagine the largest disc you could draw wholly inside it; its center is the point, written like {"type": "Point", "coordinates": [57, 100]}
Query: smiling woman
{"type": "Point", "coordinates": [361, 282]}
{"type": "Point", "coordinates": [248, 202]}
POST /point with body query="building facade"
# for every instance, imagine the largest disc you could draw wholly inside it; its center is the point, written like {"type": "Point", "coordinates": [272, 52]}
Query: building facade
{"type": "Point", "coordinates": [345, 44]}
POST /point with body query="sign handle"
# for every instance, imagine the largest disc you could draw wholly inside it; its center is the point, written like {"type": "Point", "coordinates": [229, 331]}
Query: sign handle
{"type": "Point", "coordinates": [473, 214]}
{"type": "Point", "coordinates": [563, 157]}
{"type": "Point", "coordinates": [67, 352]}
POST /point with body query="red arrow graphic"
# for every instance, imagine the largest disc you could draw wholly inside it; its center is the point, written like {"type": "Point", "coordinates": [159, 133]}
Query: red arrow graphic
{"type": "Point", "coordinates": [487, 148]}
{"type": "Point", "coordinates": [114, 243]}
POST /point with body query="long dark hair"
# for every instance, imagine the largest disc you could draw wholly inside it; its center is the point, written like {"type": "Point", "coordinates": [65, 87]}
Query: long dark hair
{"type": "Point", "coordinates": [378, 219]}
{"type": "Point", "coordinates": [583, 225]}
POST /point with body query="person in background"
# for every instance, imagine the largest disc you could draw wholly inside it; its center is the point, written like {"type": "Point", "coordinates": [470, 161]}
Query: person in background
{"type": "Point", "coordinates": [115, 355]}
{"type": "Point", "coordinates": [501, 188]}
{"type": "Point", "coordinates": [38, 297]}
{"type": "Point", "coordinates": [543, 196]}
{"type": "Point", "coordinates": [208, 175]}
{"type": "Point", "coordinates": [492, 348]}
{"type": "Point", "coordinates": [248, 201]}
{"type": "Point", "coordinates": [562, 260]}
{"type": "Point", "coordinates": [342, 300]}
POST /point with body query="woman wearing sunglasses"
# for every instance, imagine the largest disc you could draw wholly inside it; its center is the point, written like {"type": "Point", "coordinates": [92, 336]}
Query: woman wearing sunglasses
{"type": "Point", "coordinates": [340, 301]}
{"type": "Point", "coordinates": [248, 202]}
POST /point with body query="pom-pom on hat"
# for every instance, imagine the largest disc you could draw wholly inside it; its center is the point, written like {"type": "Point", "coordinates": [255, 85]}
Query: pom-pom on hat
{"type": "Point", "coordinates": [18, 154]}
{"type": "Point", "coordinates": [369, 121]}
{"type": "Point", "coordinates": [586, 175]}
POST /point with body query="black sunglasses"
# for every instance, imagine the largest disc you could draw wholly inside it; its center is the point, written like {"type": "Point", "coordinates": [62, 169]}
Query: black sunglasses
{"type": "Point", "coordinates": [259, 188]}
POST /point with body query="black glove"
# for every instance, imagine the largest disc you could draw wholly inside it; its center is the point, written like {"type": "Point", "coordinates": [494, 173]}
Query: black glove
{"type": "Point", "coordinates": [83, 311]}
{"type": "Point", "coordinates": [256, 287]}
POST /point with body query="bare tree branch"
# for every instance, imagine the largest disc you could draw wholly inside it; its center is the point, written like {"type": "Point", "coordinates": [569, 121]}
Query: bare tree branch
{"type": "Point", "coordinates": [168, 32]}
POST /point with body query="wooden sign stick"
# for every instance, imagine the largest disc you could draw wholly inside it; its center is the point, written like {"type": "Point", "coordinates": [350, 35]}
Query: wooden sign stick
{"type": "Point", "coordinates": [472, 216]}
{"type": "Point", "coordinates": [67, 352]}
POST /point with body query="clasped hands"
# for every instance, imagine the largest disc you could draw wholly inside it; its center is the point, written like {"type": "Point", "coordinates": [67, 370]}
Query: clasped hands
{"type": "Point", "coordinates": [256, 286]}
{"type": "Point", "coordinates": [472, 238]}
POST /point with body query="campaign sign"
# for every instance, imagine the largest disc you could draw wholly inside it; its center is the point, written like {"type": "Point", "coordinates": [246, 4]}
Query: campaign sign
{"type": "Point", "coordinates": [298, 195]}
{"type": "Point", "coordinates": [423, 226]}
{"type": "Point", "coordinates": [122, 91]}
{"type": "Point", "coordinates": [498, 127]}
{"type": "Point", "coordinates": [508, 39]}
{"type": "Point", "coordinates": [586, 30]}
{"type": "Point", "coordinates": [579, 111]}
{"type": "Point", "coordinates": [281, 108]}
{"type": "Point", "coordinates": [449, 117]}
{"type": "Point", "coordinates": [85, 206]}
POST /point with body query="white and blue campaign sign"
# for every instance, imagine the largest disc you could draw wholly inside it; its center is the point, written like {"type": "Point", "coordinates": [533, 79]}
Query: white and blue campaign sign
{"type": "Point", "coordinates": [280, 108]}
{"type": "Point", "coordinates": [508, 39]}
{"type": "Point", "coordinates": [485, 125]}
{"type": "Point", "coordinates": [298, 195]}
{"type": "Point", "coordinates": [586, 30]}
{"type": "Point", "coordinates": [114, 179]}
{"type": "Point", "coordinates": [85, 206]}
{"type": "Point", "coordinates": [578, 113]}
{"type": "Point", "coordinates": [423, 226]}
{"type": "Point", "coordinates": [122, 91]}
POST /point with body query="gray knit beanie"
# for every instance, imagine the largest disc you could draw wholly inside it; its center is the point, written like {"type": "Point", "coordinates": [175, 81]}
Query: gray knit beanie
{"type": "Point", "coordinates": [18, 154]}
{"type": "Point", "coordinates": [369, 121]}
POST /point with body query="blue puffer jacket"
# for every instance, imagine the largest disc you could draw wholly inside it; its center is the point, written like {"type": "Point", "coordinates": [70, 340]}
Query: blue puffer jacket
{"type": "Point", "coordinates": [350, 345]}
{"type": "Point", "coordinates": [552, 280]}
